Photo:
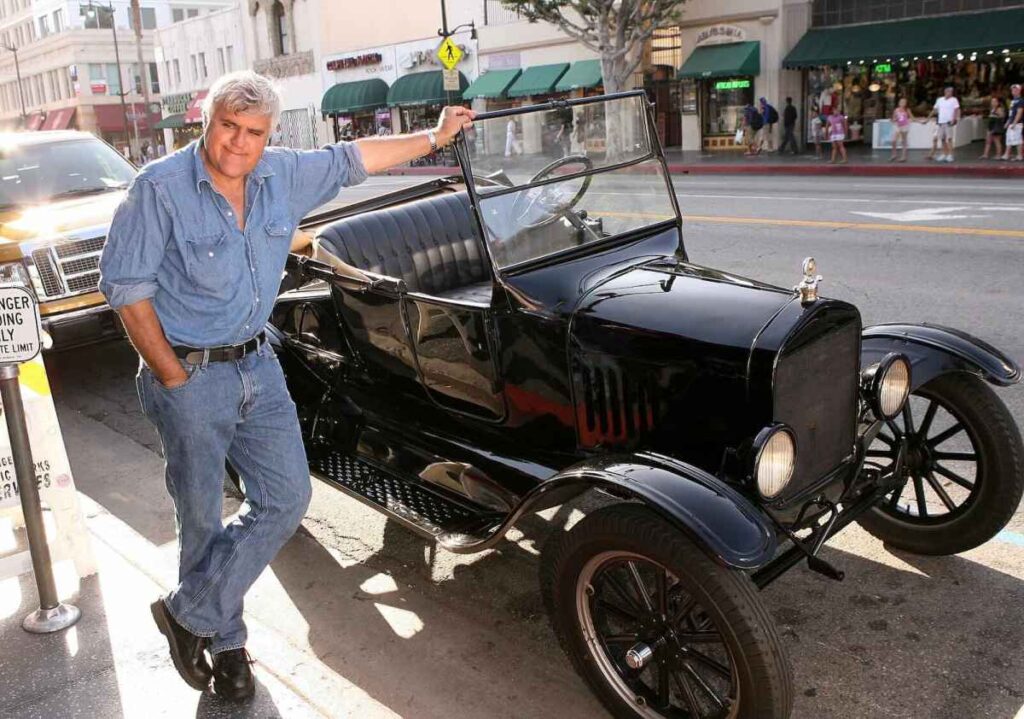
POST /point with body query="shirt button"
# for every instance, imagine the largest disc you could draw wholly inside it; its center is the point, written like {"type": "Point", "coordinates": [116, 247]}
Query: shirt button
{"type": "Point", "coordinates": [211, 254]}
{"type": "Point", "coordinates": [229, 213]}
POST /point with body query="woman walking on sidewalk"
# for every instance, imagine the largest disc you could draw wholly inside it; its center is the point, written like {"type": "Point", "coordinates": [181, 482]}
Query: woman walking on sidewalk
{"type": "Point", "coordinates": [996, 128]}
{"type": "Point", "coordinates": [1015, 125]}
{"type": "Point", "coordinates": [837, 133]}
{"type": "Point", "coordinates": [901, 119]}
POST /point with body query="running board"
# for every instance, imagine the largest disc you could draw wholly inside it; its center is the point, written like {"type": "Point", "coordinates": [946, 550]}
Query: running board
{"type": "Point", "coordinates": [456, 525]}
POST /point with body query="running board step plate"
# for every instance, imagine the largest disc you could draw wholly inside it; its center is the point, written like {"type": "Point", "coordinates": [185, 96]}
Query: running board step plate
{"type": "Point", "coordinates": [417, 506]}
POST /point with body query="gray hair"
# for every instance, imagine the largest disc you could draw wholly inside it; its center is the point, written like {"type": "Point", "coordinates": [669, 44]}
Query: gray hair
{"type": "Point", "coordinates": [243, 92]}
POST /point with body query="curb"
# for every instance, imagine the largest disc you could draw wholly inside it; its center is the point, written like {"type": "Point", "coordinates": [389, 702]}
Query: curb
{"type": "Point", "coordinates": [1001, 172]}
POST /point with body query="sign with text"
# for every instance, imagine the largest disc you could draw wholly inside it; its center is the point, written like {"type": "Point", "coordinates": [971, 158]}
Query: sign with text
{"type": "Point", "coordinates": [451, 80]}
{"type": "Point", "coordinates": [19, 325]}
{"type": "Point", "coordinates": [720, 34]}
{"type": "Point", "coordinates": [449, 54]}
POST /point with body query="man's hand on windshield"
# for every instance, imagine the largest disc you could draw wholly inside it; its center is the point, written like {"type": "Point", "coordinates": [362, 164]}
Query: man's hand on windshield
{"type": "Point", "coordinates": [453, 120]}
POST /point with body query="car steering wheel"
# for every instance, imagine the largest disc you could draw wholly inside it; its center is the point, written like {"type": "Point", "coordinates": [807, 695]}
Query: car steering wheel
{"type": "Point", "coordinates": [546, 197]}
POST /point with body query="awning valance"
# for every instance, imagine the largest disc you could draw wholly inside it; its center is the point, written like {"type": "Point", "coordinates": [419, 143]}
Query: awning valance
{"type": "Point", "coordinates": [348, 97]}
{"type": "Point", "coordinates": [114, 118]}
{"type": "Point", "coordinates": [994, 31]}
{"type": "Point", "coordinates": [492, 83]}
{"type": "Point", "coordinates": [171, 122]}
{"type": "Point", "coordinates": [33, 121]}
{"type": "Point", "coordinates": [58, 119]}
{"type": "Point", "coordinates": [583, 75]}
{"type": "Point", "coordinates": [424, 88]}
{"type": "Point", "coordinates": [726, 60]}
{"type": "Point", "coordinates": [538, 80]}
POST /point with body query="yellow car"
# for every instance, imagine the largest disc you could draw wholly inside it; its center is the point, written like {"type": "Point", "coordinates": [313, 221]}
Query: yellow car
{"type": "Point", "coordinates": [58, 192]}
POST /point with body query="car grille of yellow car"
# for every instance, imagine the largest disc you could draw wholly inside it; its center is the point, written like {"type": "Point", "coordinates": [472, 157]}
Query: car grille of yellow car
{"type": "Point", "coordinates": [67, 269]}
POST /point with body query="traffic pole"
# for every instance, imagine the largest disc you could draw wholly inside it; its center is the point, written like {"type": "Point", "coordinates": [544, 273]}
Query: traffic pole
{"type": "Point", "coordinates": [52, 615]}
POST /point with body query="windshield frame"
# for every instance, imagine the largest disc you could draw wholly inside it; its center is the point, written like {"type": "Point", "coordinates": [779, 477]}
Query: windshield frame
{"type": "Point", "coordinates": [656, 153]}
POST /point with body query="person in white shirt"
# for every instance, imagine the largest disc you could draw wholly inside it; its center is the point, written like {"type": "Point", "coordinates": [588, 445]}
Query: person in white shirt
{"type": "Point", "coordinates": [947, 108]}
{"type": "Point", "coordinates": [512, 145]}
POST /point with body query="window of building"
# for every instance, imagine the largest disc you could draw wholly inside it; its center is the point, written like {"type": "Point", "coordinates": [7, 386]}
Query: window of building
{"type": "Point", "coordinates": [177, 72]}
{"type": "Point", "coordinates": [148, 18]}
{"type": "Point", "coordinates": [177, 14]}
{"type": "Point", "coordinates": [281, 29]}
{"type": "Point", "coordinates": [192, 12]}
{"type": "Point", "coordinates": [58, 20]}
{"type": "Point", "coordinates": [220, 60]}
{"type": "Point", "coordinates": [154, 79]}
{"type": "Point", "coordinates": [113, 80]}
{"type": "Point", "coordinates": [202, 65]}
{"type": "Point", "coordinates": [230, 52]}
{"type": "Point", "coordinates": [168, 77]}
{"type": "Point", "coordinates": [100, 18]}
{"type": "Point", "coordinates": [44, 25]}
{"type": "Point", "coordinates": [195, 68]}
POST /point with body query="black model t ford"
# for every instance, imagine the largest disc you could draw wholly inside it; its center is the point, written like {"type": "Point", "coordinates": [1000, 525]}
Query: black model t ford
{"type": "Point", "coordinates": [479, 348]}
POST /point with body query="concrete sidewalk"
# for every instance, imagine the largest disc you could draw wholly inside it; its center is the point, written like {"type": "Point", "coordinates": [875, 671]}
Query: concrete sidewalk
{"type": "Point", "coordinates": [863, 162]}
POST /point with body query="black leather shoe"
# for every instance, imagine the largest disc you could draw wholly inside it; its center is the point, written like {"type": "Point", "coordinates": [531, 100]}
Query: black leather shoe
{"type": "Point", "coordinates": [186, 648]}
{"type": "Point", "coordinates": [232, 675]}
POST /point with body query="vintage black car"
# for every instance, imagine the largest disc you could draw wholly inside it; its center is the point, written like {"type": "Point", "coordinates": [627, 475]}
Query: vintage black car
{"type": "Point", "coordinates": [482, 347]}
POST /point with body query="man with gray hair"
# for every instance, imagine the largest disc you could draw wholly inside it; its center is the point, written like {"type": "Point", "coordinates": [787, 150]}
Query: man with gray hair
{"type": "Point", "coordinates": [192, 264]}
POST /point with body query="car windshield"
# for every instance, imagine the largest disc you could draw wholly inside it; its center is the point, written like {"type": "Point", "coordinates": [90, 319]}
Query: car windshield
{"type": "Point", "coordinates": [37, 173]}
{"type": "Point", "coordinates": [560, 177]}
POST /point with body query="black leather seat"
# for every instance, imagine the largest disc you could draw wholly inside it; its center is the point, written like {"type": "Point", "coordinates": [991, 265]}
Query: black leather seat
{"type": "Point", "coordinates": [431, 243]}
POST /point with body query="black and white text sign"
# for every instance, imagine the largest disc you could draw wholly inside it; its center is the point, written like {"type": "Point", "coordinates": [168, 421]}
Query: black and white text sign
{"type": "Point", "coordinates": [19, 325]}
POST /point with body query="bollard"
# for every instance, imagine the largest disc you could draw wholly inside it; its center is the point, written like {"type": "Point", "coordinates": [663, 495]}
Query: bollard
{"type": "Point", "coordinates": [21, 342]}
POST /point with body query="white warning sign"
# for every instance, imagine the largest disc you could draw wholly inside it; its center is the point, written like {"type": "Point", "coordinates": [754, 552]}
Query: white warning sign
{"type": "Point", "coordinates": [19, 325]}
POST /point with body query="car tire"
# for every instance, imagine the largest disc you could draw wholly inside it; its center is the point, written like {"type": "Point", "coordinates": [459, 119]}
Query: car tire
{"type": "Point", "coordinates": [578, 571]}
{"type": "Point", "coordinates": [996, 485]}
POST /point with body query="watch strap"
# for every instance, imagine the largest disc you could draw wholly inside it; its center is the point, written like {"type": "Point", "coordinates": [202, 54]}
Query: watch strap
{"type": "Point", "coordinates": [432, 137]}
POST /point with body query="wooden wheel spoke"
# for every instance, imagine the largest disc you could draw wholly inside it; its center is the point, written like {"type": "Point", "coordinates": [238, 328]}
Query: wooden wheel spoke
{"type": "Point", "coordinates": [703, 684]}
{"type": "Point", "coordinates": [618, 611]}
{"type": "Point", "coordinates": [661, 592]}
{"type": "Point", "coordinates": [664, 687]}
{"type": "Point", "coordinates": [886, 438]}
{"type": "Point", "coordinates": [955, 456]}
{"type": "Point", "coordinates": [908, 418]}
{"type": "Point", "coordinates": [953, 476]}
{"type": "Point", "coordinates": [623, 592]}
{"type": "Point", "coordinates": [945, 434]}
{"type": "Point", "coordinates": [922, 504]}
{"type": "Point", "coordinates": [638, 584]}
{"type": "Point", "coordinates": [883, 453]}
{"type": "Point", "coordinates": [712, 664]}
{"type": "Point", "coordinates": [939, 490]}
{"type": "Point", "coordinates": [621, 639]}
{"type": "Point", "coordinates": [684, 611]}
{"type": "Point", "coordinates": [929, 415]}
{"type": "Point", "coordinates": [687, 691]}
{"type": "Point", "coordinates": [699, 638]}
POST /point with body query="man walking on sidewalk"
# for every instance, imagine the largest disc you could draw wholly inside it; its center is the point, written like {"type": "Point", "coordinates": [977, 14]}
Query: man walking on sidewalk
{"type": "Point", "coordinates": [1015, 125]}
{"type": "Point", "coordinates": [192, 264]}
{"type": "Point", "coordinates": [788, 128]}
{"type": "Point", "coordinates": [947, 108]}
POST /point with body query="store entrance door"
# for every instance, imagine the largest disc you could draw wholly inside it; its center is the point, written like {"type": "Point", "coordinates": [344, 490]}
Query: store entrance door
{"type": "Point", "coordinates": [667, 115]}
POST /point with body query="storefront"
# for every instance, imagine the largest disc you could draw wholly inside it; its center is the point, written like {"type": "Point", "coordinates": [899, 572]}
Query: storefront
{"type": "Point", "coordinates": [357, 109]}
{"type": "Point", "coordinates": [866, 69]}
{"type": "Point", "coordinates": [60, 119]}
{"type": "Point", "coordinates": [722, 77]}
{"type": "Point", "coordinates": [119, 125]}
{"type": "Point", "coordinates": [176, 132]}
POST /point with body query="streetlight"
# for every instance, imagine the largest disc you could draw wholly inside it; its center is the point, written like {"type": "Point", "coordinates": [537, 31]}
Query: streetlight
{"type": "Point", "coordinates": [17, 70]}
{"type": "Point", "coordinates": [93, 12]}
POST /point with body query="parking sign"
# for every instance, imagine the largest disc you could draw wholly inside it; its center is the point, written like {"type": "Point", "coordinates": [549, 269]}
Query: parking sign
{"type": "Point", "coordinates": [19, 325]}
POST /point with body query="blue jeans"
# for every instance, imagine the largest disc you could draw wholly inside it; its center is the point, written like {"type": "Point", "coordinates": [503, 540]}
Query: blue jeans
{"type": "Point", "coordinates": [239, 411]}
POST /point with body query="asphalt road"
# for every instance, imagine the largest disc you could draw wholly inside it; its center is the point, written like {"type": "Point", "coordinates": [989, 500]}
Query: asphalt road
{"type": "Point", "coordinates": [902, 636]}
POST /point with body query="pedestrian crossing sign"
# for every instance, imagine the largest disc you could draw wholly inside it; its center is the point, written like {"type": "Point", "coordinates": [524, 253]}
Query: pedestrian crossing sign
{"type": "Point", "coordinates": [449, 54]}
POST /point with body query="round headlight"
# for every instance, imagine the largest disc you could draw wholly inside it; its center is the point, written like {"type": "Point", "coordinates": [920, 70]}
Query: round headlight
{"type": "Point", "coordinates": [889, 385]}
{"type": "Point", "coordinates": [774, 460]}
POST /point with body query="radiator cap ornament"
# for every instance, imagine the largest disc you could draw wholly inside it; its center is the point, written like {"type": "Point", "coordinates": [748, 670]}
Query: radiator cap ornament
{"type": "Point", "coordinates": [808, 287]}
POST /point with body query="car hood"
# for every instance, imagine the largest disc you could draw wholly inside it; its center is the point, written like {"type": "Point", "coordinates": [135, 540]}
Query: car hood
{"type": "Point", "coordinates": [666, 309]}
{"type": "Point", "coordinates": [67, 218]}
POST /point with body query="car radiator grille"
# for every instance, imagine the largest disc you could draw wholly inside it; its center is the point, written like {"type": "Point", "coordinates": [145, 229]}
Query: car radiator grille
{"type": "Point", "coordinates": [68, 269]}
{"type": "Point", "coordinates": [816, 388]}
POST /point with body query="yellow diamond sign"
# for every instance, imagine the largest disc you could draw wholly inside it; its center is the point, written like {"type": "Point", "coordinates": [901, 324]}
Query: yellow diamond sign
{"type": "Point", "coordinates": [449, 54]}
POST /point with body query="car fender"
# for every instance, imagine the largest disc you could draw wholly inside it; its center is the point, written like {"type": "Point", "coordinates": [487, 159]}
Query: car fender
{"type": "Point", "coordinates": [723, 522]}
{"type": "Point", "coordinates": [934, 350]}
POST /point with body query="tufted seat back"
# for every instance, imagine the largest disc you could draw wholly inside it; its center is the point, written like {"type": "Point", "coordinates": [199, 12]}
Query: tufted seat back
{"type": "Point", "coordinates": [430, 243]}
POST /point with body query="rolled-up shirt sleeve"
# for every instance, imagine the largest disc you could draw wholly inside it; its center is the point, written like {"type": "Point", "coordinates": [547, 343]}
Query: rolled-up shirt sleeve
{"type": "Point", "coordinates": [135, 246]}
{"type": "Point", "coordinates": [320, 174]}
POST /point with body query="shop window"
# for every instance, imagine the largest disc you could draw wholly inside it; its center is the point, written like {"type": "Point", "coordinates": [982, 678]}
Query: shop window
{"type": "Point", "coordinates": [99, 19]}
{"type": "Point", "coordinates": [280, 29]}
{"type": "Point", "coordinates": [220, 60]}
{"type": "Point", "coordinates": [202, 65]}
{"type": "Point", "coordinates": [154, 79]}
{"type": "Point", "coordinates": [195, 68]}
{"type": "Point", "coordinates": [58, 20]}
{"type": "Point", "coordinates": [192, 12]}
{"type": "Point", "coordinates": [44, 26]}
{"type": "Point", "coordinates": [177, 14]}
{"type": "Point", "coordinates": [725, 100]}
{"type": "Point", "coordinates": [230, 52]}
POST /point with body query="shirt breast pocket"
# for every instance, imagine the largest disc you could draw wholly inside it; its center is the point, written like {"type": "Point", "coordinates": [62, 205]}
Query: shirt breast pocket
{"type": "Point", "coordinates": [279, 228]}
{"type": "Point", "coordinates": [211, 263]}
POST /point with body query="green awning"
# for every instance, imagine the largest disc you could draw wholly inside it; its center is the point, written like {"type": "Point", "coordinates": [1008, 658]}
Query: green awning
{"type": "Point", "coordinates": [583, 75]}
{"type": "Point", "coordinates": [994, 31]}
{"type": "Point", "coordinates": [492, 83]}
{"type": "Point", "coordinates": [424, 88]}
{"type": "Point", "coordinates": [727, 60]}
{"type": "Point", "coordinates": [348, 97]}
{"type": "Point", "coordinates": [538, 80]}
{"type": "Point", "coordinates": [171, 122]}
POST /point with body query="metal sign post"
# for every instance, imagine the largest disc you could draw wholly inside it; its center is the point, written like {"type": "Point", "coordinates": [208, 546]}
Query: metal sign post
{"type": "Point", "coordinates": [20, 342]}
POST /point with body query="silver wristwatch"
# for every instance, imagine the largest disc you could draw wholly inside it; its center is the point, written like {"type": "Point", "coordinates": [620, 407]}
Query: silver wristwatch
{"type": "Point", "coordinates": [433, 140]}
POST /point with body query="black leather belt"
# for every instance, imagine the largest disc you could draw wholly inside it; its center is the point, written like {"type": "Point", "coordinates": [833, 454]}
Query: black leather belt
{"type": "Point", "coordinates": [225, 353]}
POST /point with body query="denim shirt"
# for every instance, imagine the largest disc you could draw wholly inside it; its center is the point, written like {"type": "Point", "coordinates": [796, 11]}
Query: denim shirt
{"type": "Point", "coordinates": [175, 240]}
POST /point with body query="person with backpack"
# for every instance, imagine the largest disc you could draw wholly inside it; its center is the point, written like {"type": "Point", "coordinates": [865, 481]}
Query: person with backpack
{"type": "Point", "coordinates": [753, 123]}
{"type": "Point", "coordinates": [769, 117]}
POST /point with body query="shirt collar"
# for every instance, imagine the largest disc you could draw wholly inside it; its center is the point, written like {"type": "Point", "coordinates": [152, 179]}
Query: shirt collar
{"type": "Point", "coordinates": [262, 170]}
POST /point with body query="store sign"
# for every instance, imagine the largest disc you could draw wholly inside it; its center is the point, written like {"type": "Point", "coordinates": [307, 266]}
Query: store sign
{"type": "Point", "coordinates": [19, 325]}
{"type": "Point", "coordinates": [347, 63]}
{"type": "Point", "coordinates": [504, 61]}
{"type": "Point", "coordinates": [732, 84]}
{"type": "Point", "coordinates": [720, 34]}
{"type": "Point", "coordinates": [177, 103]}
{"type": "Point", "coordinates": [883, 67]}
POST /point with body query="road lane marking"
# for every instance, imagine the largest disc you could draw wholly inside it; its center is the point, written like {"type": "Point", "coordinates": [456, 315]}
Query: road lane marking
{"type": "Point", "coordinates": [921, 214]}
{"type": "Point", "coordinates": [683, 196]}
{"type": "Point", "coordinates": [821, 224]}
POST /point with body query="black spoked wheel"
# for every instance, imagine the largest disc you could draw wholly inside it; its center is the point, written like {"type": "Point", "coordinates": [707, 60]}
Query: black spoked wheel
{"type": "Point", "coordinates": [656, 628]}
{"type": "Point", "coordinates": [961, 477]}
